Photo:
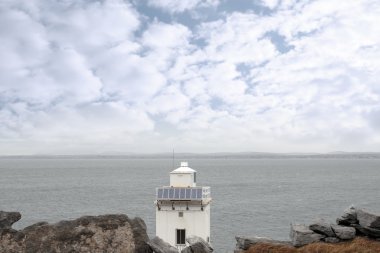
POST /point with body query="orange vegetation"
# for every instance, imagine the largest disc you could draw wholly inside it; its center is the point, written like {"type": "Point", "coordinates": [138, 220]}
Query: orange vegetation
{"type": "Point", "coordinates": [358, 245]}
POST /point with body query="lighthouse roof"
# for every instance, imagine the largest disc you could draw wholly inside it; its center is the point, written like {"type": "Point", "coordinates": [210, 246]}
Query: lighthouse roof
{"type": "Point", "coordinates": [185, 169]}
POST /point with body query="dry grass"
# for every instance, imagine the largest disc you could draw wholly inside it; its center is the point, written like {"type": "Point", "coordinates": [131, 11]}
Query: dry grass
{"type": "Point", "coordinates": [358, 245]}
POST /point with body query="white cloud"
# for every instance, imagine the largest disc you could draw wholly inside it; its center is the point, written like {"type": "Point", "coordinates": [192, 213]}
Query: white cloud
{"type": "Point", "coordinates": [271, 4]}
{"type": "Point", "coordinates": [317, 94]}
{"type": "Point", "coordinates": [79, 75]}
{"type": "Point", "coordinates": [165, 42]}
{"type": "Point", "coordinates": [174, 6]}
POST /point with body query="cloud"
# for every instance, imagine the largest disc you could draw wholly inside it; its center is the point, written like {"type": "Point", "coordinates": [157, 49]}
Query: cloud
{"type": "Point", "coordinates": [72, 72]}
{"type": "Point", "coordinates": [88, 75]}
{"type": "Point", "coordinates": [173, 6]}
{"type": "Point", "coordinates": [271, 4]}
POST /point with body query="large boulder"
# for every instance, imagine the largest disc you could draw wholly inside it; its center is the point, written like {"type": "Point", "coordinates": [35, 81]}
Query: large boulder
{"type": "Point", "coordinates": [368, 219]}
{"type": "Point", "coordinates": [367, 231]}
{"type": "Point", "coordinates": [197, 245]}
{"type": "Point", "coordinates": [301, 235]}
{"type": "Point", "coordinates": [344, 233]}
{"type": "Point", "coordinates": [160, 246]}
{"type": "Point", "coordinates": [244, 243]}
{"type": "Point", "coordinates": [105, 233]}
{"type": "Point", "coordinates": [349, 217]}
{"type": "Point", "coordinates": [7, 219]}
{"type": "Point", "coordinates": [321, 226]}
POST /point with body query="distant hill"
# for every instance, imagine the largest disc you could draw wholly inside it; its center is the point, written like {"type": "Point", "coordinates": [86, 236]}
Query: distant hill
{"type": "Point", "coordinates": [220, 155]}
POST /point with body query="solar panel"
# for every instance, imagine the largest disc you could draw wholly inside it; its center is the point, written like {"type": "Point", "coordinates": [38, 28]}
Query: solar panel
{"type": "Point", "coordinates": [159, 193]}
{"type": "Point", "coordinates": [171, 193]}
{"type": "Point", "coordinates": [193, 193]}
{"type": "Point", "coordinates": [188, 193]}
{"type": "Point", "coordinates": [179, 193]}
{"type": "Point", "coordinates": [166, 194]}
{"type": "Point", "coordinates": [182, 194]}
{"type": "Point", "coordinates": [199, 193]}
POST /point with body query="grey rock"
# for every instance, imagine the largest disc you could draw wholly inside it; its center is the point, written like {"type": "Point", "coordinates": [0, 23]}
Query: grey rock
{"type": "Point", "coordinates": [243, 243]}
{"type": "Point", "coordinates": [197, 245]}
{"type": "Point", "coordinates": [301, 235]}
{"type": "Point", "coordinates": [344, 233]}
{"type": "Point", "coordinates": [140, 236]}
{"type": "Point", "coordinates": [104, 233]}
{"type": "Point", "coordinates": [331, 240]}
{"type": "Point", "coordinates": [187, 250]}
{"type": "Point", "coordinates": [8, 218]}
{"type": "Point", "coordinates": [322, 227]}
{"type": "Point", "coordinates": [349, 217]}
{"type": "Point", "coordinates": [160, 246]}
{"type": "Point", "coordinates": [370, 232]}
{"type": "Point", "coordinates": [368, 219]}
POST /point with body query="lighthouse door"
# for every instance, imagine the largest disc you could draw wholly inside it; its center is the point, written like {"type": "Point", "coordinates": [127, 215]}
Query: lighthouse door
{"type": "Point", "coordinates": [180, 236]}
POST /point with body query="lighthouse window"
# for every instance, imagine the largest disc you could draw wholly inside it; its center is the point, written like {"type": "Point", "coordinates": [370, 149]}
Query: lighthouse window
{"type": "Point", "coordinates": [181, 236]}
{"type": "Point", "coordinates": [195, 177]}
{"type": "Point", "coordinates": [180, 214]}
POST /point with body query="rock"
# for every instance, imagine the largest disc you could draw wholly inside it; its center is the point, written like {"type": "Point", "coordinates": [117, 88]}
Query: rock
{"type": "Point", "coordinates": [301, 235]}
{"type": "Point", "coordinates": [368, 219]}
{"type": "Point", "coordinates": [105, 233]}
{"type": "Point", "coordinates": [331, 240]}
{"type": "Point", "coordinates": [160, 246]}
{"type": "Point", "coordinates": [187, 250]}
{"type": "Point", "coordinates": [7, 219]}
{"type": "Point", "coordinates": [140, 236]}
{"type": "Point", "coordinates": [344, 233]}
{"type": "Point", "coordinates": [349, 217]}
{"type": "Point", "coordinates": [320, 226]}
{"type": "Point", "coordinates": [243, 243]}
{"type": "Point", "coordinates": [197, 245]}
{"type": "Point", "coordinates": [370, 232]}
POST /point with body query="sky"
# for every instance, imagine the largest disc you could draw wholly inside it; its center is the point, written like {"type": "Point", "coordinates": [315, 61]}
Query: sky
{"type": "Point", "coordinates": [147, 76]}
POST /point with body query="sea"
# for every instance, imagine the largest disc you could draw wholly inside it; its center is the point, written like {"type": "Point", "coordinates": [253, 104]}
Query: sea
{"type": "Point", "coordinates": [259, 195]}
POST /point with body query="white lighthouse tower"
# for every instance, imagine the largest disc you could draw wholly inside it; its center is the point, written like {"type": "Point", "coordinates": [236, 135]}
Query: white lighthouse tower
{"type": "Point", "coordinates": [183, 208]}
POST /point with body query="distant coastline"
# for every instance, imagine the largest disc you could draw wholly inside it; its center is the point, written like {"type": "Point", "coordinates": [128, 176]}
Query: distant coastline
{"type": "Point", "coordinates": [222, 155]}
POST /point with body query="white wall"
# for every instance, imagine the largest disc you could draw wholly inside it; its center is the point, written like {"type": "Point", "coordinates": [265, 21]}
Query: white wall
{"type": "Point", "coordinates": [195, 221]}
{"type": "Point", "coordinates": [182, 180]}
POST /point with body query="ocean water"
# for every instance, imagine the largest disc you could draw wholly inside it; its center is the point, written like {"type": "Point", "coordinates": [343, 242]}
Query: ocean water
{"type": "Point", "coordinates": [250, 196]}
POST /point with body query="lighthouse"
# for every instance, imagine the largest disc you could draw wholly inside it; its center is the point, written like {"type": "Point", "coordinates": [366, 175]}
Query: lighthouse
{"type": "Point", "coordinates": [183, 208]}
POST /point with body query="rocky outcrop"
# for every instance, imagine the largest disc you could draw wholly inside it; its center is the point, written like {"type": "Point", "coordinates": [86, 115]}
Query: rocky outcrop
{"type": "Point", "coordinates": [197, 245]}
{"type": "Point", "coordinates": [368, 219]}
{"type": "Point", "coordinates": [301, 235]}
{"type": "Point", "coordinates": [354, 222]}
{"type": "Point", "coordinates": [244, 243]}
{"type": "Point", "coordinates": [349, 217]}
{"type": "Point", "coordinates": [367, 231]}
{"type": "Point", "coordinates": [344, 233]}
{"type": "Point", "coordinates": [7, 219]}
{"type": "Point", "coordinates": [160, 246]}
{"type": "Point", "coordinates": [105, 233]}
{"type": "Point", "coordinates": [322, 227]}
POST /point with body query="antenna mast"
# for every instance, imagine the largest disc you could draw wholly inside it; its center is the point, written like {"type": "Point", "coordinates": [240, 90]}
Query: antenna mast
{"type": "Point", "coordinates": [173, 160]}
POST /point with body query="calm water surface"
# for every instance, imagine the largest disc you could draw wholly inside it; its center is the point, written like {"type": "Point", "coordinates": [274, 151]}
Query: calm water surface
{"type": "Point", "coordinates": [250, 196]}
